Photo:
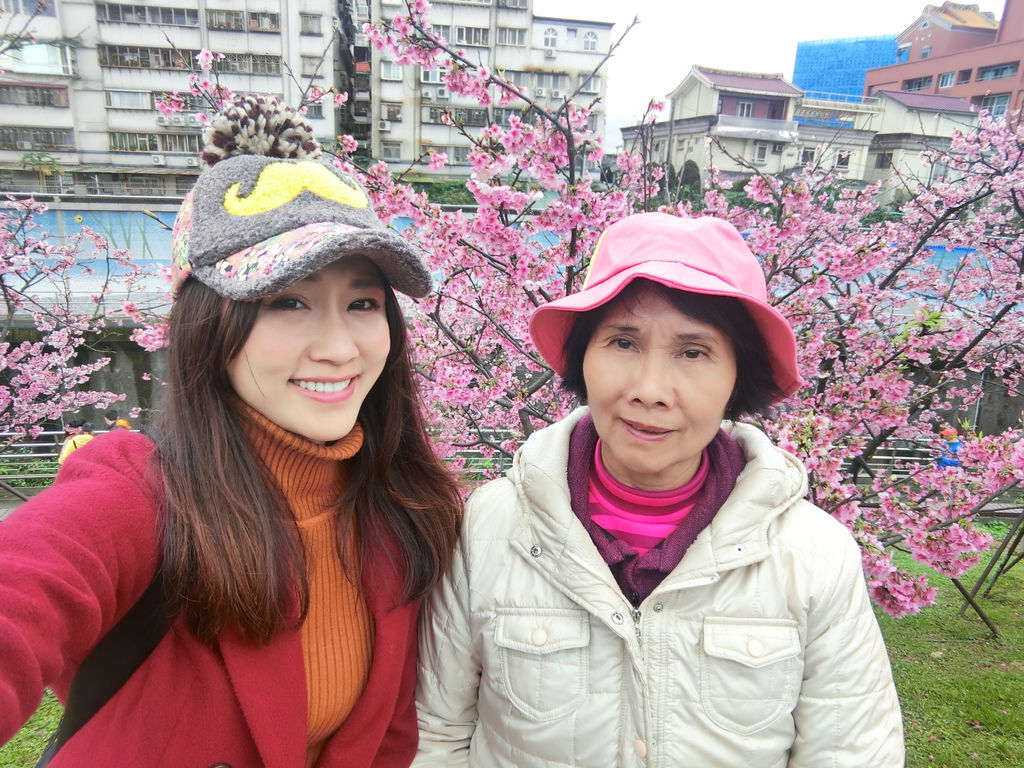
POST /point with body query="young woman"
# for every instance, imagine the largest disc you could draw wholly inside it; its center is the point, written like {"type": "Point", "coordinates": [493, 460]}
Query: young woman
{"type": "Point", "coordinates": [291, 500]}
{"type": "Point", "coordinates": [648, 585]}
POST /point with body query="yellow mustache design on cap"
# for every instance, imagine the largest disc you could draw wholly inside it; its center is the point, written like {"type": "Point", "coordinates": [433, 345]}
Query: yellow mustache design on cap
{"type": "Point", "coordinates": [280, 183]}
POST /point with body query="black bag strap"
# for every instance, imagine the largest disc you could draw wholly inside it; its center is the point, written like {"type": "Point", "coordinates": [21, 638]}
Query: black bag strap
{"type": "Point", "coordinates": [109, 665]}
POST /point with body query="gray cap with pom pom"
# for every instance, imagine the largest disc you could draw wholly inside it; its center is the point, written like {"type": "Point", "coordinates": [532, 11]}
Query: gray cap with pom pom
{"type": "Point", "coordinates": [265, 212]}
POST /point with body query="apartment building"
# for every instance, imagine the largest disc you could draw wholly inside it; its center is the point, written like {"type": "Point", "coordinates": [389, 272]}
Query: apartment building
{"type": "Point", "coordinates": [79, 105]}
{"type": "Point", "coordinates": [958, 51]}
{"type": "Point", "coordinates": [411, 112]}
{"type": "Point", "coordinates": [763, 122]}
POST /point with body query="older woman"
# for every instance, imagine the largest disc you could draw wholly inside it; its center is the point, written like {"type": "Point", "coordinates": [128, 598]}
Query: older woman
{"type": "Point", "coordinates": [648, 585]}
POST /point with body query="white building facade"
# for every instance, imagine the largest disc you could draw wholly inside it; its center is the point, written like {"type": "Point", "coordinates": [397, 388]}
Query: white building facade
{"type": "Point", "coordinates": [81, 101]}
{"type": "Point", "coordinates": [548, 59]}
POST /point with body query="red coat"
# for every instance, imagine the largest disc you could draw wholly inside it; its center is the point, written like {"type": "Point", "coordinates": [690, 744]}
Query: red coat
{"type": "Point", "coordinates": [76, 557]}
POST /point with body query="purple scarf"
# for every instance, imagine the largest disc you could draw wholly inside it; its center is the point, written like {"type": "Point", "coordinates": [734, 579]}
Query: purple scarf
{"type": "Point", "coordinates": [637, 575]}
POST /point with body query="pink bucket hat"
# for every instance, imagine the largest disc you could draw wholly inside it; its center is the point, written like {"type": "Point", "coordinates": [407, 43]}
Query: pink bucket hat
{"type": "Point", "coordinates": [702, 255]}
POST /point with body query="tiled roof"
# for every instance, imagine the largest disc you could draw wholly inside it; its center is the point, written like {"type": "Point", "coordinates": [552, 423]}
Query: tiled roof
{"type": "Point", "coordinates": [748, 81]}
{"type": "Point", "coordinates": [964, 15]}
{"type": "Point", "coordinates": [930, 102]}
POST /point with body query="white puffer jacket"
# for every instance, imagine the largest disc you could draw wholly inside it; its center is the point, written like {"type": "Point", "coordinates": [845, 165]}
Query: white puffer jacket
{"type": "Point", "coordinates": [760, 650]}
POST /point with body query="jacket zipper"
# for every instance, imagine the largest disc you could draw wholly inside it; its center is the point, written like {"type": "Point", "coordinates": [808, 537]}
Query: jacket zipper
{"type": "Point", "coordinates": [639, 635]}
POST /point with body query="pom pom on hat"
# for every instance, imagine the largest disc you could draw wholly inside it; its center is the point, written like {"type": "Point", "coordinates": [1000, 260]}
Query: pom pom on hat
{"type": "Point", "coordinates": [266, 210]}
{"type": "Point", "coordinates": [258, 125]}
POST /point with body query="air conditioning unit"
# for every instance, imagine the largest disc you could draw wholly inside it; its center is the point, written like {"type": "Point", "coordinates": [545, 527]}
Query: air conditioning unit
{"type": "Point", "coordinates": [178, 120]}
{"type": "Point", "coordinates": [426, 93]}
{"type": "Point", "coordinates": [161, 119]}
{"type": "Point", "coordinates": [540, 92]}
{"type": "Point", "coordinates": [383, 125]}
{"type": "Point", "coordinates": [158, 160]}
{"type": "Point", "coordinates": [549, 53]}
{"type": "Point", "coordinates": [191, 162]}
{"type": "Point", "coordinates": [556, 94]}
{"type": "Point", "coordinates": [442, 93]}
{"type": "Point", "coordinates": [24, 145]}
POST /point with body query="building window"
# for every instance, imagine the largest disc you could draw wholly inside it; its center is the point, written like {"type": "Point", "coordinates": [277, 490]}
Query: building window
{"type": "Point", "coordinates": [315, 110]}
{"type": "Point", "coordinates": [550, 37]}
{"type": "Point", "coordinates": [883, 161]}
{"type": "Point", "coordinates": [128, 99]}
{"type": "Point", "coordinates": [590, 41]}
{"type": "Point", "coordinates": [28, 7]}
{"type": "Point", "coordinates": [555, 80]}
{"type": "Point", "coordinates": [519, 4]}
{"type": "Point", "coordinates": [843, 161]}
{"type": "Point", "coordinates": [245, 63]}
{"type": "Point", "coordinates": [38, 59]}
{"type": "Point", "coordinates": [34, 95]}
{"type": "Point", "coordinates": [591, 84]}
{"type": "Point", "coordinates": [311, 66]}
{"type": "Point", "coordinates": [517, 78]}
{"type": "Point", "coordinates": [946, 80]}
{"type": "Point", "coordinates": [903, 54]}
{"type": "Point", "coordinates": [133, 142]}
{"type": "Point", "coordinates": [777, 148]}
{"type": "Point", "coordinates": [391, 150]}
{"type": "Point", "coordinates": [264, 22]}
{"type": "Point", "coordinates": [998, 71]}
{"type": "Point", "coordinates": [744, 109]}
{"type": "Point", "coordinates": [180, 143]}
{"type": "Point", "coordinates": [806, 156]}
{"type": "Point", "coordinates": [511, 36]}
{"type": "Point", "coordinates": [391, 71]}
{"type": "Point", "coordinates": [996, 103]}
{"type": "Point", "coordinates": [58, 139]}
{"type": "Point", "coordinates": [136, 57]}
{"type": "Point", "coordinates": [431, 76]}
{"type": "Point", "coordinates": [963, 76]}
{"type": "Point", "coordinates": [129, 14]}
{"type": "Point", "coordinates": [926, 51]}
{"type": "Point", "coordinates": [233, 20]}
{"type": "Point", "coordinates": [472, 36]}
{"type": "Point", "coordinates": [391, 111]}
{"type": "Point", "coordinates": [141, 14]}
{"type": "Point", "coordinates": [180, 17]}
{"type": "Point", "coordinates": [309, 23]}
{"type": "Point", "coordinates": [918, 84]}
{"type": "Point", "coordinates": [460, 155]}
{"type": "Point", "coordinates": [190, 102]}
{"type": "Point", "coordinates": [760, 151]}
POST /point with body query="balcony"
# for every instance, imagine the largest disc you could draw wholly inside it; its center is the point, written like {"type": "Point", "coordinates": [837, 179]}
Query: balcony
{"type": "Point", "coordinates": [731, 126]}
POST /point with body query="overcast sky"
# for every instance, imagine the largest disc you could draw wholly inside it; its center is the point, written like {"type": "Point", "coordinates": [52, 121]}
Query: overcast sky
{"type": "Point", "coordinates": [748, 35]}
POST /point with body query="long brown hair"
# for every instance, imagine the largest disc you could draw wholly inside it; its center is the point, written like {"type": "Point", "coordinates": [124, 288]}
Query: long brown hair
{"type": "Point", "coordinates": [231, 556]}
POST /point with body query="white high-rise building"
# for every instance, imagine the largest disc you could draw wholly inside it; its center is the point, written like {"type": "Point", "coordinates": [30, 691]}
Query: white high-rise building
{"type": "Point", "coordinates": [549, 59]}
{"type": "Point", "coordinates": [78, 107]}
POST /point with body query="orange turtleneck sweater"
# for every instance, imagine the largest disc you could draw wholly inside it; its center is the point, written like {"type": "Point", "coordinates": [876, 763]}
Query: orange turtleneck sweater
{"type": "Point", "coordinates": [337, 635]}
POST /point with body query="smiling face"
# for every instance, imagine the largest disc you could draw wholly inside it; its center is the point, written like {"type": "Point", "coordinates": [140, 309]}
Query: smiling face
{"type": "Point", "coordinates": [658, 383]}
{"type": "Point", "coordinates": [315, 350]}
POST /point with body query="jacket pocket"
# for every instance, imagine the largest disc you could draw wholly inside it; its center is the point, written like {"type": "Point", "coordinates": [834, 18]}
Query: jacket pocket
{"type": "Point", "coordinates": [750, 671]}
{"type": "Point", "coordinates": [543, 659]}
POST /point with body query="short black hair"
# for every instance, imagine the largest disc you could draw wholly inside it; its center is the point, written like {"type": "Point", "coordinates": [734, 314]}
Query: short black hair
{"type": "Point", "coordinates": [755, 388]}
{"type": "Point", "coordinates": [111, 413]}
{"type": "Point", "coordinates": [75, 423]}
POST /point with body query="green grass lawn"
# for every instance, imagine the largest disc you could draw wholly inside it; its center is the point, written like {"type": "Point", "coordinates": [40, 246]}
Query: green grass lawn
{"type": "Point", "coordinates": [962, 689]}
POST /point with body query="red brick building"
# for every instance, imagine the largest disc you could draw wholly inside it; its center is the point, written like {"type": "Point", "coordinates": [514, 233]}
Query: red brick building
{"type": "Point", "coordinates": [956, 50]}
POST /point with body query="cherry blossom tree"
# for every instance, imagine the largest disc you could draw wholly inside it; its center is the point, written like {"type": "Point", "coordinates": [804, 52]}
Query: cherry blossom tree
{"type": "Point", "coordinates": [895, 342]}
{"type": "Point", "coordinates": [45, 323]}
